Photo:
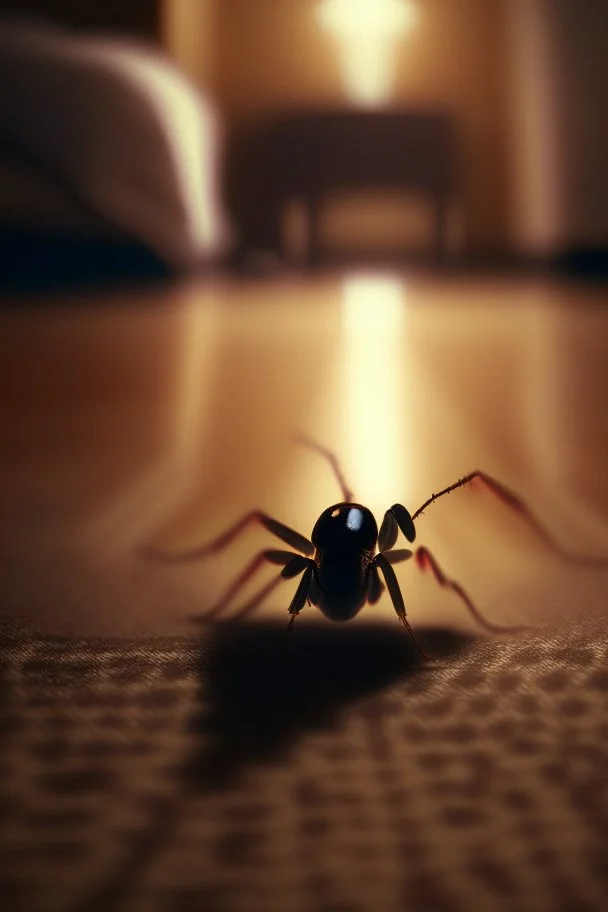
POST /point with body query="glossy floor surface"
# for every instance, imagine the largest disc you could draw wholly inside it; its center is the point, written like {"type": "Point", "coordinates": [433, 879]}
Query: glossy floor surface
{"type": "Point", "coordinates": [158, 417]}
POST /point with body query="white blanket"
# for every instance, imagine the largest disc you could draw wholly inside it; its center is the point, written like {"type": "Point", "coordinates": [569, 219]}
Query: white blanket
{"type": "Point", "coordinates": [122, 130]}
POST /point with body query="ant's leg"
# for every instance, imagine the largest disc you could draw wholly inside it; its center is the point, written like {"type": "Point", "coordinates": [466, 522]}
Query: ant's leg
{"type": "Point", "coordinates": [375, 586]}
{"type": "Point", "coordinates": [257, 599]}
{"type": "Point", "coordinates": [282, 558]}
{"type": "Point", "coordinates": [426, 561]}
{"type": "Point", "coordinates": [516, 503]}
{"type": "Point", "coordinates": [295, 564]}
{"type": "Point", "coordinates": [284, 533]}
{"type": "Point", "coordinates": [396, 597]}
{"type": "Point", "coordinates": [301, 594]}
{"type": "Point", "coordinates": [347, 494]}
{"type": "Point", "coordinates": [395, 518]}
{"type": "Point", "coordinates": [398, 555]}
{"type": "Point", "coordinates": [314, 593]}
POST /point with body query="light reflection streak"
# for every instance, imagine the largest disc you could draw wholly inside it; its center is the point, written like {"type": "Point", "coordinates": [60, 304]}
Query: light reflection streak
{"type": "Point", "coordinates": [145, 503]}
{"type": "Point", "coordinates": [373, 381]}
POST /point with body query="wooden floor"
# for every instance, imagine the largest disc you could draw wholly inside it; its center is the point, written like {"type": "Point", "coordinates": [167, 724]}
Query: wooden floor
{"type": "Point", "coordinates": [161, 415]}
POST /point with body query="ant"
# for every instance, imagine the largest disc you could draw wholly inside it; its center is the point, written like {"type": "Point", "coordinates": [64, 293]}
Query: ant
{"type": "Point", "coordinates": [340, 565]}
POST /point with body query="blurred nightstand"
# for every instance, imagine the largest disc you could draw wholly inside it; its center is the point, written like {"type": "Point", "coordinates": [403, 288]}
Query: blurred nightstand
{"type": "Point", "coordinates": [312, 155]}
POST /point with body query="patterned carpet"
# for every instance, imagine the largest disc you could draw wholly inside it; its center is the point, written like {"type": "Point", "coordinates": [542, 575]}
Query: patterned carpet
{"type": "Point", "coordinates": [235, 772]}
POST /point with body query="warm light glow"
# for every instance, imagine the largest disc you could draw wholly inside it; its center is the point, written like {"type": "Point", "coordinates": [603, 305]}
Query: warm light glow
{"type": "Point", "coordinates": [367, 32]}
{"type": "Point", "coordinates": [374, 314]}
{"type": "Point", "coordinates": [143, 503]}
{"type": "Point", "coordinates": [370, 18]}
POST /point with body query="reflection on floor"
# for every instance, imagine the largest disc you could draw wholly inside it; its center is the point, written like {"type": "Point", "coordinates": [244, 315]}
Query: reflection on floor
{"type": "Point", "coordinates": [163, 415]}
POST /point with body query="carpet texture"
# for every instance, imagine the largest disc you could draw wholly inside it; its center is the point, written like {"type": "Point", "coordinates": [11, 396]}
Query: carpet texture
{"type": "Point", "coordinates": [236, 772]}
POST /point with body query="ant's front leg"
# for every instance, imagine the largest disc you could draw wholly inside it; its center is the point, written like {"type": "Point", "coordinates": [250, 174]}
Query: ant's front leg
{"type": "Point", "coordinates": [394, 591]}
{"type": "Point", "coordinates": [278, 529]}
{"type": "Point", "coordinates": [302, 592]}
{"type": "Point", "coordinates": [376, 586]}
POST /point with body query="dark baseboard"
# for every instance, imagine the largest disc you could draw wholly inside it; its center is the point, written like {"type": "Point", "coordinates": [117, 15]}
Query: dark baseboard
{"type": "Point", "coordinates": [37, 262]}
{"type": "Point", "coordinates": [579, 264]}
{"type": "Point", "coordinates": [583, 262]}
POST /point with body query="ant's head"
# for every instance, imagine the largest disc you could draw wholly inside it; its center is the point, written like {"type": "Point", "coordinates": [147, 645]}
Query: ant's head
{"type": "Point", "coordinates": [345, 526]}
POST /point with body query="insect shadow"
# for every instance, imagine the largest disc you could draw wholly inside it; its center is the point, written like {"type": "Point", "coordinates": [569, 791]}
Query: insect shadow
{"type": "Point", "coordinates": [260, 690]}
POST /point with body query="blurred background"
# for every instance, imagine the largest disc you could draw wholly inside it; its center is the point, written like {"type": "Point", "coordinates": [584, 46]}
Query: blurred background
{"type": "Point", "coordinates": [384, 224]}
{"type": "Point", "coordinates": [516, 85]}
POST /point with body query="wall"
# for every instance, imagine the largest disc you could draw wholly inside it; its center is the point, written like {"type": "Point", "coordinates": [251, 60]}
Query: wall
{"type": "Point", "coordinates": [558, 77]}
{"type": "Point", "coordinates": [189, 33]}
{"type": "Point", "coordinates": [259, 56]}
{"type": "Point", "coordinates": [135, 17]}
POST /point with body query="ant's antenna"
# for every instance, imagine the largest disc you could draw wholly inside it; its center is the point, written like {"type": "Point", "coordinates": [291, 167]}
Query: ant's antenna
{"type": "Point", "coordinates": [347, 494]}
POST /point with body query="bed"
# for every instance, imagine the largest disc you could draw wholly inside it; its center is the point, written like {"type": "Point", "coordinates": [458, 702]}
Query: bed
{"type": "Point", "coordinates": [105, 147]}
